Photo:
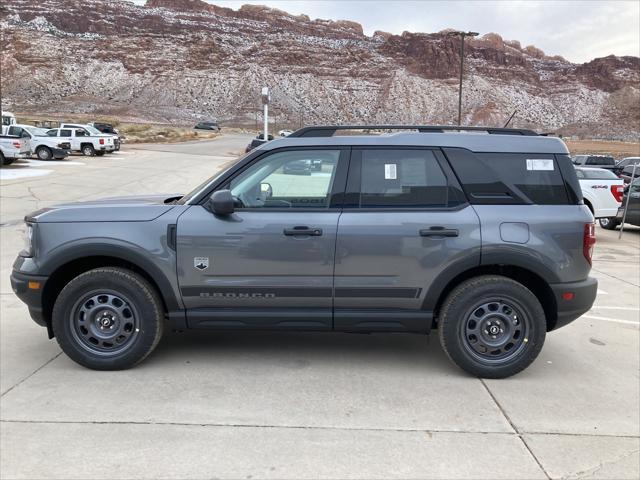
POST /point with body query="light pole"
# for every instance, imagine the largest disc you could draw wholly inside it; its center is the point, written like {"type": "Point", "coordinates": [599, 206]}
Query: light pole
{"type": "Point", "coordinates": [462, 36]}
{"type": "Point", "coordinates": [266, 98]}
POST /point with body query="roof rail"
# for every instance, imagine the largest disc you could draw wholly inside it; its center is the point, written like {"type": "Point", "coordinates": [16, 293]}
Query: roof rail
{"type": "Point", "coordinates": [330, 130]}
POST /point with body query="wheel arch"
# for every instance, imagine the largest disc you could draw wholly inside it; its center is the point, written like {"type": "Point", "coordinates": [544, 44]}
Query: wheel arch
{"type": "Point", "coordinates": [530, 279]}
{"type": "Point", "coordinates": [63, 268]}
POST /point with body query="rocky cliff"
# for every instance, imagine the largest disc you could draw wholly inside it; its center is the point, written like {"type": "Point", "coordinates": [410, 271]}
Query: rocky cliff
{"type": "Point", "coordinates": [180, 60]}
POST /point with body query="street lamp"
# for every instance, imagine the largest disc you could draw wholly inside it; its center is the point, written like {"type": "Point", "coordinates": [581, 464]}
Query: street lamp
{"type": "Point", "coordinates": [462, 35]}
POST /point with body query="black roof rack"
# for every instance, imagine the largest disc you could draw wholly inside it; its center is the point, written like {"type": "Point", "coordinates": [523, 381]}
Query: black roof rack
{"type": "Point", "coordinates": [330, 130]}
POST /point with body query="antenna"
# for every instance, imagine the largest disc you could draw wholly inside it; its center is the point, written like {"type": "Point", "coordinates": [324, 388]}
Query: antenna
{"type": "Point", "coordinates": [510, 118]}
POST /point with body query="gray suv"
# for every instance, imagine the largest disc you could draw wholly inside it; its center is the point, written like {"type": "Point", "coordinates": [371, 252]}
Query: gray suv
{"type": "Point", "coordinates": [478, 233]}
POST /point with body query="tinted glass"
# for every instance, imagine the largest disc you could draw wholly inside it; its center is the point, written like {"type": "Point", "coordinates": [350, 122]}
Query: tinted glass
{"type": "Point", "coordinates": [601, 161]}
{"type": "Point", "coordinates": [289, 179]}
{"type": "Point", "coordinates": [65, 133]}
{"type": "Point", "coordinates": [534, 176]}
{"type": "Point", "coordinates": [402, 178]}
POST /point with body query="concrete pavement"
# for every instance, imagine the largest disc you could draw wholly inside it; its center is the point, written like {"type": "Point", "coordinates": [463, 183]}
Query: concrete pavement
{"type": "Point", "coordinates": [298, 405]}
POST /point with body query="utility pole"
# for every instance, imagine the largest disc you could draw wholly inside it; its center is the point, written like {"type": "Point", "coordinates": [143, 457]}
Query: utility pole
{"type": "Point", "coordinates": [462, 36]}
{"type": "Point", "coordinates": [266, 98]}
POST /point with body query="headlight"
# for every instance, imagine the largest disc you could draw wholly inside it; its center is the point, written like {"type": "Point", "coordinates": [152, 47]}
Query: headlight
{"type": "Point", "coordinates": [27, 251]}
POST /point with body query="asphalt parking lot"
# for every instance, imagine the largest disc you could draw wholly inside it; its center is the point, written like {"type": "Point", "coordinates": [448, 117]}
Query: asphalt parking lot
{"type": "Point", "coordinates": [264, 405]}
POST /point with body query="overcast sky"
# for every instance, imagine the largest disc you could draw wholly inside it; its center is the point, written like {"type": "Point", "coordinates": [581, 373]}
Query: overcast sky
{"type": "Point", "coordinates": [577, 30]}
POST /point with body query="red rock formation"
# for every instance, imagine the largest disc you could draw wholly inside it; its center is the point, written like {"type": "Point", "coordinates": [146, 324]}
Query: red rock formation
{"type": "Point", "coordinates": [185, 59]}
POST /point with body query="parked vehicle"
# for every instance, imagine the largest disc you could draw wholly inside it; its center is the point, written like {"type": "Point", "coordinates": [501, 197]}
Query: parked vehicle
{"type": "Point", "coordinates": [300, 167]}
{"type": "Point", "coordinates": [207, 126]}
{"type": "Point", "coordinates": [633, 212]}
{"type": "Point", "coordinates": [8, 119]}
{"type": "Point", "coordinates": [483, 237]}
{"type": "Point", "coordinates": [94, 132]}
{"type": "Point", "coordinates": [602, 191]}
{"type": "Point", "coordinates": [285, 132]}
{"type": "Point", "coordinates": [626, 161]}
{"type": "Point", "coordinates": [83, 141]}
{"type": "Point", "coordinates": [12, 148]}
{"type": "Point", "coordinates": [597, 161]}
{"type": "Point", "coordinates": [104, 128]}
{"type": "Point", "coordinates": [628, 172]}
{"type": "Point", "coordinates": [256, 142]}
{"type": "Point", "coordinates": [41, 145]}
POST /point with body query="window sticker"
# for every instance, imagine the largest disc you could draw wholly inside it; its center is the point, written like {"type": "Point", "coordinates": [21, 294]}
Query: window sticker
{"type": "Point", "coordinates": [390, 171]}
{"type": "Point", "coordinates": [539, 164]}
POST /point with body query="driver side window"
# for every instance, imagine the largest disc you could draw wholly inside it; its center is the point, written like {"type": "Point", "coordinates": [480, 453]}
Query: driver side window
{"type": "Point", "coordinates": [288, 179]}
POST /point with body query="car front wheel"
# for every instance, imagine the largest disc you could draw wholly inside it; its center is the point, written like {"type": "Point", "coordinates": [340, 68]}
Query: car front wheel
{"type": "Point", "coordinates": [44, 153]}
{"type": "Point", "coordinates": [108, 319]}
{"type": "Point", "coordinates": [492, 326]}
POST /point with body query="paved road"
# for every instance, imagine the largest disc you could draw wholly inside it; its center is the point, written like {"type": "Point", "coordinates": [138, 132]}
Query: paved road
{"type": "Point", "coordinates": [263, 405]}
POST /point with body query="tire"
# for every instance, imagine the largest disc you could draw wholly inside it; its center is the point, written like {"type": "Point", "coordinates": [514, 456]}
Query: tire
{"type": "Point", "coordinates": [109, 295]}
{"type": "Point", "coordinates": [44, 153]}
{"type": "Point", "coordinates": [88, 150]}
{"type": "Point", "coordinates": [608, 223]}
{"type": "Point", "coordinates": [490, 304]}
{"type": "Point", "coordinates": [3, 161]}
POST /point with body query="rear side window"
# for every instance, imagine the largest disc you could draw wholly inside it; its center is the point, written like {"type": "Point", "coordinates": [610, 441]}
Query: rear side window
{"type": "Point", "coordinates": [65, 133]}
{"type": "Point", "coordinates": [402, 178]}
{"type": "Point", "coordinates": [509, 178]}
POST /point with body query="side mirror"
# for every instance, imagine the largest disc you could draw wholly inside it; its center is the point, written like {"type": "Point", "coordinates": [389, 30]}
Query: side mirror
{"type": "Point", "coordinates": [221, 202]}
{"type": "Point", "coordinates": [266, 190]}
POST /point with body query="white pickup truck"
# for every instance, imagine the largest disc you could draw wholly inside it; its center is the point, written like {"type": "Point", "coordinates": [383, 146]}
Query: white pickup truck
{"type": "Point", "coordinates": [12, 148]}
{"type": "Point", "coordinates": [602, 191]}
{"type": "Point", "coordinates": [84, 141]}
{"type": "Point", "coordinates": [40, 144]}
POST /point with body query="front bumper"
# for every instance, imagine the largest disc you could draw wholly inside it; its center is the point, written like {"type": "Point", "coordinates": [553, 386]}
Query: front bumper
{"type": "Point", "coordinates": [579, 303]}
{"type": "Point", "coordinates": [20, 284]}
{"type": "Point", "coordinates": [60, 153]}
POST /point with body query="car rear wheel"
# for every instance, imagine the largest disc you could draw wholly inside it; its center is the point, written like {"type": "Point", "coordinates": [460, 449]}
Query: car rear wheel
{"type": "Point", "coordinates": [608, 223]}
{"type": "Point", "coordinates": [492, 326]}
{"type": "Point", "coordinates": [108, 319]}
{"type": "Point", "coordinates": [88, 150]}
{"type": "Point", "coordinates": [44, 153]}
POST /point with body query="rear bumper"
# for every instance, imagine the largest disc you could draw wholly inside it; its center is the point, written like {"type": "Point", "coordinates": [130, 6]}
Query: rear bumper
{"type": "Point", "coordinates": [30, 296]}
{"type": "Point", "coordinates": [606, 212]}
{"type": "Point", "coordinates": [584, 294]}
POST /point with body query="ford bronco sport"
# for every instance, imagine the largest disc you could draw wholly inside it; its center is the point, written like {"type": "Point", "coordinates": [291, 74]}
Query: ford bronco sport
{"type": "Point", "coordinates": [478, 233]}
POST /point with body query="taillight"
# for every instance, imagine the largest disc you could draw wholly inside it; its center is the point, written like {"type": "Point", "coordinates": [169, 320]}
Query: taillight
{"type": "Point", "coordinates": [617, 191]}
{"type": "Point", "coordinates": [16, 144]}
{"type": "Point", "coordinates": [588, 241]}
{"type": "Point", "coordinates": [102, 141]}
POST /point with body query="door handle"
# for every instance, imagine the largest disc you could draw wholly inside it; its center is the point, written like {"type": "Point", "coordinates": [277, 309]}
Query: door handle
{"type": "Point", "coordinates": [439, 232]}
{"type": "Point", "coordinates": [303, 230]}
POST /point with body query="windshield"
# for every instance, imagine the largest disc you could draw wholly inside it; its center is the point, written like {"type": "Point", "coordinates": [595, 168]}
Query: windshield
{"type": "Point", "coordinates": [210, 180]}
{"type": "Point", "coordinates": [92, 130]}
{"type": "Point", "coordinates": [38, 132]}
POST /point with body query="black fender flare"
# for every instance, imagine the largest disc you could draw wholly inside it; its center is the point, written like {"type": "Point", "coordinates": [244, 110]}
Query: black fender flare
{"type": "Point", "coordinates": [130, 253]}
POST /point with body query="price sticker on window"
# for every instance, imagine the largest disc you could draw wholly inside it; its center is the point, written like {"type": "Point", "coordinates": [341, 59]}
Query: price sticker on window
{"type": "Point", "coordinates": [390, 171]}
{"type": "Point", "coordinates": [539, 164]}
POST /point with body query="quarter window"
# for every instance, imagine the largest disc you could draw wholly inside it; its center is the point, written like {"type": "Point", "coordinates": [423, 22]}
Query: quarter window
{"type": "Point", "coordinates": [402, 178]}
{"type": "Point", "coordinates": [289, 179]}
